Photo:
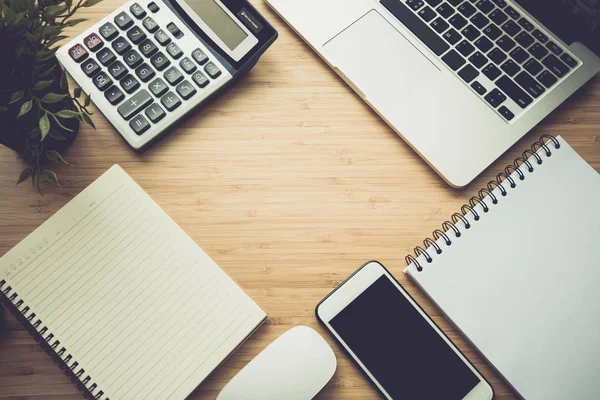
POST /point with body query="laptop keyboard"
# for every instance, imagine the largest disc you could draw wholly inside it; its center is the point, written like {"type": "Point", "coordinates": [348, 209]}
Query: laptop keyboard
{"type": "Point", "coordinates": [503, 56]}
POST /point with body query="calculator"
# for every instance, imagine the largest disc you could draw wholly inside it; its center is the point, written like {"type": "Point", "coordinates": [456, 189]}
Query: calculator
{"type": "Point", "coordinates": [148, 64]}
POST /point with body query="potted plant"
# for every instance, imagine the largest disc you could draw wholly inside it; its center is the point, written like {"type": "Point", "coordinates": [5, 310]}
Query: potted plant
{"type": "Point", "coordinates": [39, 117]}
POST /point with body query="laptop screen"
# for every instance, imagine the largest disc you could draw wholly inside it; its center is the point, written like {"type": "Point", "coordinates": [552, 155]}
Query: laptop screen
{"type": "Point", "coordinates": [571, 20]}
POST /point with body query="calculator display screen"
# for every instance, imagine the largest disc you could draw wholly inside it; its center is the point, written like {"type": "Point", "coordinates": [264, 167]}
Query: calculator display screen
{"type": "Point", "coordinates": [225, 27]}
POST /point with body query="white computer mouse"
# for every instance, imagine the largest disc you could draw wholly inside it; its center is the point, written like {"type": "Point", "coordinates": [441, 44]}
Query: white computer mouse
{"type": "Point", "coordinates": [296, 366]}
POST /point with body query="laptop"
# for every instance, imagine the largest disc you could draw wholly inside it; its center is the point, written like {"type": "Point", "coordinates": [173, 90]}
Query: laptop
{"type": "Point", "coordinates": [459, 80]}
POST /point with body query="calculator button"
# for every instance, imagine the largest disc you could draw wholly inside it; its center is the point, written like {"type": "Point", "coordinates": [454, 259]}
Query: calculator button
{"type": "Point", "coordinates": [108, 31]}
{"type": "Point", "coordinates": [155, 113]}
{"type": "Point", "coordinates": [117, 70]}
{"type": "Point", "coordinates": [170, 101]}
{"type": "Point", "coordinates": [150, 24]}
{"type": "Point", "coordinates": [162, 37]}
{"type": "Point", "coordinates": [78, 53]}
{"type": "Point", "coordinates": [121, 45]}
{"type": "Point", "coordinates": [173, 76]}
{"type": "Point", "coordinates": [212, 70]}
{"type": "Point", "coordinates": [175, 31]}
{"type": "Point", "coordinates": [200, 79]}
{"type": "Point", "coordinates": [137, 11]}
{"type": "Point", "coordinates": [158, 87]}
{"type": "Point", "coordinates": [200, 57]}
{"type": "Point", "coordinates": [174, 50]}
{"type": "Point", "coordinates": [123, 20]}
{"type": "Point", "coordinates": [134, 104]}
{"type": "Point", "coordinates": [90, 67]}
{"type": "Point", "coordinates": [133, 59]}
{"type": "Point", "coordinates": [139, 124]}
{"type": "Point", "coordinates": [114, 95]}
{"type": "Point", "coordinates": [130, 84]}
{"type": "Point", "coordinates": [187, 65]}
{"type": "Point", "coordinates": [160, 61]}
{"type": "Point", "coordinates": [105, 56]}
{"type": "Point", "coordinates": [93, 42]}
{"type": "Point", "coordinates": [145, 72]}
{"type": "Point", "coordinates": [153, 7]}
{"type": "Point", "coordinates": [148, 48]}
{"type": "Point", "coordinates": [186, 90]}
{"type": "Point", "coordinates": [102, 81]}
{"type": "Point", "coordinates": [136, 34]}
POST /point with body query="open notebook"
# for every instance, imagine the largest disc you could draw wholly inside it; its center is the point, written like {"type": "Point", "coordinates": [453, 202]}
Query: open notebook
{"type": "Point", "coordinates": [523, 282]}
{"type": "Point", "coordinates": [122, 298]}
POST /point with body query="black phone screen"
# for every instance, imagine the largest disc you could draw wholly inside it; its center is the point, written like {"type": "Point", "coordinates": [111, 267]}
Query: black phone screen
{"type": "Point", "coordinates": [399, 347]}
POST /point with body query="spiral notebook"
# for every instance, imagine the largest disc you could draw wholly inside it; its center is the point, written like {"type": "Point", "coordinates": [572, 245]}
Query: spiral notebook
{"type": "Point", "coordinates": [522, 280]}
{"type": "Point", "coordinates": [127, 304]}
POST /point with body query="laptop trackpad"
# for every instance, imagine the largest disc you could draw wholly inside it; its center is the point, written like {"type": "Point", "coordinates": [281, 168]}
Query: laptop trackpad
{"type": "Point", "coordinates": [381, 62]}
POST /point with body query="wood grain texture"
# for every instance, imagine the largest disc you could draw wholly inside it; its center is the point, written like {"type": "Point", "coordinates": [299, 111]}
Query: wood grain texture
{"type": "Point", "coordinates": [289, 182]}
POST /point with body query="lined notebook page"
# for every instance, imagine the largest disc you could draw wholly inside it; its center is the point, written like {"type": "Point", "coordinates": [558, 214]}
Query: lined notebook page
{"type": "Point", "coordinates": [523, 284]}
{"type": "Point", "coordinates": [130, 296]}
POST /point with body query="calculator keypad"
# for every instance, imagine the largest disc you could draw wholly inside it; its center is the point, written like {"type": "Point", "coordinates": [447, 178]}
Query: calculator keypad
{"type": "Point", "coordinates": [137, 72]}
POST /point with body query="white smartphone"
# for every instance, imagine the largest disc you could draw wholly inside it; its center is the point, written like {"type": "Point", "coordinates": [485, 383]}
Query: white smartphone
{"type": "Point", "coordinates": [399, 348]}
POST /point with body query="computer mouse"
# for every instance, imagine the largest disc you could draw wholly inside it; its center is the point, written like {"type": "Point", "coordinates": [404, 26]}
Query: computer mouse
{"type": "Point", "coordinates": [296, 365]}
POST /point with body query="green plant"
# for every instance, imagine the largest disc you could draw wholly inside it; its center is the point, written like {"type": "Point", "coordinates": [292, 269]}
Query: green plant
{"type": "Point", "coordinates": [39, 117]}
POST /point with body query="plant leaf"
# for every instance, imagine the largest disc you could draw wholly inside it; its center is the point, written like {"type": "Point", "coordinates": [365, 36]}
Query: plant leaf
{"type": "Point", "coordinates": [41, 85]}
{"type": "Point", "coordinates": [57, 136]}
{"type": "Point", "coordinates": [25, 108]}
{"type": "Point", "coordinates": [89, 3]}
{"type": "Point", "coordinates": [16, 96]}
{"type": "Point", "coordinates": [51, 176]}
{"type": "Point", "coordinates": [44, 126]}
{"type": "Point", "coordinates": [51, 11]}
{"type": "Point", "coordinates": [67, 114]}
{"type": "Point", "coordinates": [51, 98]}
{"type": "Point", "coordinates": [63, 82]}
{"type": "Point", "coordinates": [88, 120]}
{"type": "Point", "coordinates": [3, 109]}
{"type": "Point", "coordinates": [77, 92]}
{"type": "Point", "coordinates": [46, 72]}
{"type": "Point", "coordinates": [55, 157]}
{"type": "Point", "coordinates": [24, 175]}
{"type": "Point", "coordinates": [88, 100]}
{"type": "Point", "coordinates": [74, 22]}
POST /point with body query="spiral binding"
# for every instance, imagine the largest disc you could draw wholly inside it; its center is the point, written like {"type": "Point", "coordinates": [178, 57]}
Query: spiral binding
{"type": "Point", "coordinates": [458, 220]}
{"type": "Point", "coordinates": [49, 343]}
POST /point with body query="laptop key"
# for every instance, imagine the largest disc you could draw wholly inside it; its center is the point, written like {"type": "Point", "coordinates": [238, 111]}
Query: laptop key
{"type": "Point", "coordinates": [427, 14]}
{"type": "Point", "coordinates": [445, 10]}
{"type": "Point", "coordinates": [433, 3]}
{"type": "Point", "coordinates": [468, 73]}
{"type": "Point", "coordinates": [553, 47]}
{"type": "Point", "coordinates": [491, 72]}
{"type": "Point", "coordinates": [519, 55]}
{"type": "Point", "coordinates": [478, 87]}
{"type": "Point", "coordinates": [470, 32]}
{"type": "Point", "coordinates": [511, 28]}
{"type": "Point", "coordinates": [510, 67]}
{"type": "Point", "coordinates": [480, 20]}
{"type": "Point", "coordinates": [538, 51]}
{"type": "Point", "coordinates": [495, 98]}
{"type": "Point", "coordinates": [485, 6]}
{"type": "Point", "coordinates": [506, 43]}
{"type": "Point", "coordinates": [530, 85]}
{"type": "Point", "coordinates": [570, 61]}
{"type": "Point", "coordinates": [452, 36]}
{"type": "Point", "coordinates": [533, 67]}
{"type": "Point", "coordinates": [497, 56]}
{"type": "Point", "coordinates": [528, 26]}
{"type": "Point", "coordinates": [455, 2]}
{"type": "Point", "coordinates": [499, 3]}
{"type": "Point", "coordinates": [547, 79]}
{"type": "Point", "coordinates": [498, 16]}
{"type": "Point", "coordinates": [484, 44]}
{"type": "Point", "coordinates": [478, 59]}
{"type": "Point", "coordinates": [439, 25]}
{"type": "Point", "coordinates": [555, 65]}
{"type": "Point", "coordinates": [419, 28]}
{"type": "Point", "coordinates": [457, 21]}
{"type": "Point", "coordinates": [467, 9]}
{"type": "Point", "coordinates": [465, 48]}
{"type": "Point", "coordinates": [513, 91]}
{"type": "Point", "coordinates": [492, 32]}
{"type": "Point", "coordinates": [414, 4]}
{"type": "Point", "coordinates": [453, 60]}
{"type": "Point", "coordinates": [539, 36]}
{"type": "Point", "coordinates": [524, 39]}
{"type": "Point", "coordinates": [512, 12]}
{"type": "Point", "coordinates": [506, 113]}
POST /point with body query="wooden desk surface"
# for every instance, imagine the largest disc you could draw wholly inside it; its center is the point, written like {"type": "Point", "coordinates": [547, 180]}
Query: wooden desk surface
{"type": "Point", "coordinates": [289, 182]}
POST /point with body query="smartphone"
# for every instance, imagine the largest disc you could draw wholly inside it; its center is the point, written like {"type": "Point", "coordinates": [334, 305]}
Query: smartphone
{"type": "Point", "coordinates": [398, 347]}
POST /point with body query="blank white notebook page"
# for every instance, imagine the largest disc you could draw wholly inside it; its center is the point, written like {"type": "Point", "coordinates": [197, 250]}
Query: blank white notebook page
{"type": "Point", "coordinates": [523, 283]}
{"type": "Point", "coordinates": [135, 302]}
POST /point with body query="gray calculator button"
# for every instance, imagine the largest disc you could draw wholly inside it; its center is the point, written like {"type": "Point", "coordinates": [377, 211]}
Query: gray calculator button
{"type": "Point", "coordinates": [150, 24]}
{"type": "Point", "coordinates": [175, 31]}
{"type": "Point", "coordinates": [160, 61]}
{"type": "Point", "coordinates": [102, 81]}
{"type": "Point", "coordinates": [186, 90]}
{"type": "Point", "coordinates": [123, 20]}
{"type": "Point", "coordinates": [134, 104]}
{"type": "Point", "coordinates": [187, 65]}
{"type": "Point", "coordinates": [130, 84]}
{"type": "Point", "coordinates": [133, 59]}
{"type": "Point", "coordinates": [174, 50]}
{"type": "Point", "coordinates": [117, 70]}
{"type": "Point", "coordinates": [162, 37]}
{"type": "Point", "coordinates": [90, 67]}
{"type": "Point", "coordinates": [200, 56]}
{"type": "Point", "coordinates": [173, 76]}
{"type": "Point", "coordinates": [200, 79]}
{"type": "Point", "coordinates": [170, 101]}
{"type": "Point", "coordinates": [106, 57]}
{"type": "Point", "coordinates": [114, 95]}
{"type": "Point", "coordinates": [136, 34]}
{"type": "Point", "coordinates": [212, 70]}
{"type": "Point", "coordinates": [121, 45]}
{"type": "Point", "coordinates": [155, 113]}
{"type": "Point", "coordinates": [153, 7]}
{"type": "Point", "coordinates": [108, 31]}
{"type": "Point", "coordinates": [139, 124]}
{"type": "Point", "coordinates": [137, 11]}
{"type": "Point", "coordinates": [158, 87]}
{"type": "Point", "coordinates": [148, 48]}
{"type": "Point", "coordinates": [145, 72]}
